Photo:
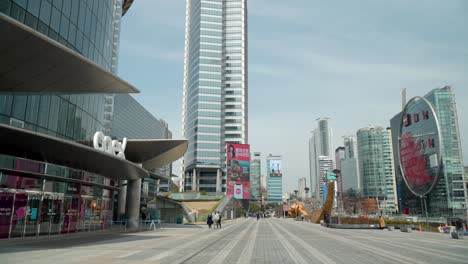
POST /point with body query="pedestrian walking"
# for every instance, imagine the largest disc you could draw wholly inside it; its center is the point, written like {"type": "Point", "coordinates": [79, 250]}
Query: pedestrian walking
{"type": "Point", "coordinates": [215, 219]}
{"type": "Point", "coordinates": [258, 216]}
{"type": "Point", "coordinates": [219, 221]}
{"type": "Point", "coordinates": [209, 221]}
{"type": "Point", "coordinates": [302, 217]}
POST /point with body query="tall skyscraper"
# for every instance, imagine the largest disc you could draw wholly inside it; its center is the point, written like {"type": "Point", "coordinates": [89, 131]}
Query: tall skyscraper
{"type": "Point", "coordinates": [215, 94]}
{"type": "Point", "coordinates": [319, 145]}
{"type": "Point", "coordinates": [255, 176]}
{"type": "Point", "coordinates": [339, 158]}
{"type": "Point", "coordinates": [349, 167]}
{"type": "Point", "coordinates": [449, 196]}
{"type": "Point", "coordinates": [376, 165]}
{"type": "Point", "coordinates": [301, 187]}
{"type": "Point", "coordinates": [275, 179]}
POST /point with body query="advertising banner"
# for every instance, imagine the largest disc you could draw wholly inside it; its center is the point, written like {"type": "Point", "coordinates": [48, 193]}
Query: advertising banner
{"type": "Point", "coordinates": [238, 170]}
{"type": "Point", "coordinates": [419, 146]}
{"type": "Point", "coordinates": [238, 191]}
{"type": "Point", "coordinates": [276, 168]}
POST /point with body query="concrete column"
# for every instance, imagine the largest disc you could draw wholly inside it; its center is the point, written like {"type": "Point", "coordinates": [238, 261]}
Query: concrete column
{"type": "Point", "coordinates": [122, 199]}
{"type": "Point", "coordinates": [194, 181]}
{"type": "Point", "coordinates": [218, 181]}
{"type": "Point", "coordinates": [133, 202]}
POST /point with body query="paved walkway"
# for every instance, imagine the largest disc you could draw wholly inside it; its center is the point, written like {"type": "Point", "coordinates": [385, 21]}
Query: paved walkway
{"type": "Point", "coordinates": [244, 241]}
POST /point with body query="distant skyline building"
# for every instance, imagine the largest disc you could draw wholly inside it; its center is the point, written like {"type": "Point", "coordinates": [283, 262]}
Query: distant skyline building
{"type": "Point", "coordinates": [255, 175]}
{"type": "Point", "coordinates": [349, 166]}
{"type": "Point", "coordinates": [302, 183]}
{"type": "Point", "coordinates": [215, 109]}
{"type": "Point", "coordinates": [449, 196]}
{"type": "Point", "coordinates": [275, 178]}
{"type": "Point", "coordinates": [339, 158]}
{"type": "Point", "coordinates": [376, 165]}
{"type": "Point", "coordinates": [325, 164]}
{"type": "Point", "coordinates": [320, 144]}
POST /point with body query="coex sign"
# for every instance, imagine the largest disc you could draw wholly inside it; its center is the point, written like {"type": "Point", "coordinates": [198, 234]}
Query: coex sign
{"type": "Point", "coordinates": [420, 146]}
{"type": "Point", "coordinates": [106, 144]}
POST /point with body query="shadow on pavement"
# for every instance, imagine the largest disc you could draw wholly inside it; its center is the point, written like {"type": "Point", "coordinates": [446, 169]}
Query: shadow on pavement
{"type": "Point", "coordinates": [73, 241]}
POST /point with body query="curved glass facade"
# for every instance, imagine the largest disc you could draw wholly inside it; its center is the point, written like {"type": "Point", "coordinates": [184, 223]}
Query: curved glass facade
{"type": "Point", "coordinates": [39, 198]}
{"type": "Point", "coordinates": [88, 27]}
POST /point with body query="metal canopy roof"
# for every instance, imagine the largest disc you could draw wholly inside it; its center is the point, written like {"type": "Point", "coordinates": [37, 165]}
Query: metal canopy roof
{"type": "Point", "coordinates": [154, 153]}
{"type": "Point", "coordinates": [32, 145]}
{"type": "Point", "coordinates": [33, 63]}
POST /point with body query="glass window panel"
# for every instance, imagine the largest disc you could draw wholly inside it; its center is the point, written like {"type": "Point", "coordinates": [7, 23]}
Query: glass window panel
{"type": "Point", "coordinates": [44, 110]}
{"type": "Point", "coordinates": [64, 24]}
{"type": "Point", "coordinates": [75, 9]}
{"type": "Point", "coordinates": [5, 104]}
{"type": "Point", "coordinates": [70, 120]}
{"type": "Point", "coordinates": [46, 9]}
{"type": "Point", "coordinates": [67, 4]}
{"type": "Point", "coordinates": [77, 126]}
{"type": "Point", "coordinates": [30, 21]}
{"type": "Point", "coordinates": [19, 106]}
{"type": "Point", "coordinates": [79, 40]}
{"type": "Point", "coordinates": [55, 19]}
{"type": "Point", "coordinates": [33, 7]}
{"type": "Point", "coordinates": [62, 118]}
{"type": "Point", "coordinates": [87, 29]}
{"type": "Point", "coordinates": [58, 4]}
{"type": "Point", "coordinates": [82, 17]}
{"type": "Point", "coordinates": [17, 13]}
{"type": "Point", "coordinates": [32, 108]}
{"type": "Point", "coordinates": [22, 3]}
{"type": "Point", "coordinates": [5, 7]}
{"type": "Point", "coordinates": [54, 113]}
{"type": "Point", "coordinates": [72, 34]}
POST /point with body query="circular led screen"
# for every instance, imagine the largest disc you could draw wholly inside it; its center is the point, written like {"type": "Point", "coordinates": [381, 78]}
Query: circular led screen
{"type": "Point", "coordinates": [419, 146]}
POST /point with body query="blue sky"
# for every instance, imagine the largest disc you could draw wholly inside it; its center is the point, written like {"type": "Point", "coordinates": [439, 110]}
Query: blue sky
{"type": "Point", "coordinates": [347, 60]}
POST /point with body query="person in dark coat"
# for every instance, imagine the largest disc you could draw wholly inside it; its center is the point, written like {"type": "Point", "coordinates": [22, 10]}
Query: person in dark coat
{"type": "Point", "coordinates": [218, 223]}
{"type": "Point", "coordinates": [209, 221]}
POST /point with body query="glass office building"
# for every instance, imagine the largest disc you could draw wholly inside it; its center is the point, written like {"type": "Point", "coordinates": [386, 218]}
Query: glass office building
{"type": "Point", "coordinates": [449, 196]}
{"type": "Point", "coordinates": [38, 198]}
{"type": "Point", "coordinates": [275, 179]}
{"type": "Point", "coordinates": [215, 109]}
{"type": "Point", "coordinates": [376, 166]}
{"type": "Point", "coordinates": [319, 145]}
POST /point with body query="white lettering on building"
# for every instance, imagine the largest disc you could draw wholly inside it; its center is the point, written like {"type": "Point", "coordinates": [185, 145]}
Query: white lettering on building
{"type": "Point", "coordinates": [106, 144]}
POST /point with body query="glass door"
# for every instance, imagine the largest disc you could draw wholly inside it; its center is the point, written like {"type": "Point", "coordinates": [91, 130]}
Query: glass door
{"type": "Point", "coordinates": [32, 218]}
{"type": "Point", "coordinates": [6, 207]}
{"type": "Point", "coordinates": [71, 213]}
{"type": "Point", "coordinates": [19, 215]}
{"type": "Point", "coordinates": [51, 214]}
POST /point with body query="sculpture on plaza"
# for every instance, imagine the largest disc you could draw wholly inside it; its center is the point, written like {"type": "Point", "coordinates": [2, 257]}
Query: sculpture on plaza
{"type": "Point", "coordinates": [297, 210]}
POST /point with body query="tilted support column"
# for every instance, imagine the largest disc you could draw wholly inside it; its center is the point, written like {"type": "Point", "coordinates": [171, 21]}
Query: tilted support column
{"type": "Point", "coordinates": [133, 202]}
{"type": "Point", "coordinates": [122, 199]}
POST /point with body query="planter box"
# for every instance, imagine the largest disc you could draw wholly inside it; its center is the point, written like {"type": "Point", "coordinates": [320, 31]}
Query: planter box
{"type": "Point", "coordinates": [391, 228]}
{"type": "Point", "coordinates": [354, 226]}
{"type": "Point", "coordinates": [406, 229]}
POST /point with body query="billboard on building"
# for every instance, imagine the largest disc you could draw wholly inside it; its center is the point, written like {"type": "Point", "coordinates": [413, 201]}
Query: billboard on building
{"type": "Point", "coordinates": [420, 146]}
{"type": "Point", "coordinates": [276, 168]}
{"type": "Point", "coordinates": [238, 170]}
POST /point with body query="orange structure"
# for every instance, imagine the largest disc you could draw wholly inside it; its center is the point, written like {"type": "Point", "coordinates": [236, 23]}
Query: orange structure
{"type": "Point", "coordinates": [327, 208]}
{"type": "Point", "coordinates": [297, 209]}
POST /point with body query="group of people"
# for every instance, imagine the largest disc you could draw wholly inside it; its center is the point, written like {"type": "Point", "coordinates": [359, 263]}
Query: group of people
{"type": "Point", "coordinates": [214, 218]}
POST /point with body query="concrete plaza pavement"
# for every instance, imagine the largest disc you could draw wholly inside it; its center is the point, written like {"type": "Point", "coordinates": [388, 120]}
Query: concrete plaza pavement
{"type": "Point", "coordinates": [243, 241]}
